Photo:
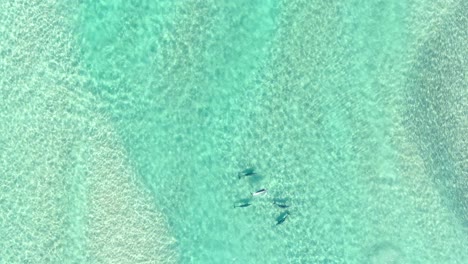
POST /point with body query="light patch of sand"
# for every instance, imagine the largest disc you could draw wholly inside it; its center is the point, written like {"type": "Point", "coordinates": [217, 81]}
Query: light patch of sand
{"type": "Point", "coordinates": [123, 223]}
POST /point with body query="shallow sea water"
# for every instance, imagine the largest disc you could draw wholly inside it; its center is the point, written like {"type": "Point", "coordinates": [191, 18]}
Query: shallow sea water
{"type": "Point", "coordinates": [124, 124]}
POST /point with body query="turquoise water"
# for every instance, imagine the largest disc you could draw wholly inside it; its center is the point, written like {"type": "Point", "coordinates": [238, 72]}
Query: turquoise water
{"type": "Point", "coordinates": [124, 124]}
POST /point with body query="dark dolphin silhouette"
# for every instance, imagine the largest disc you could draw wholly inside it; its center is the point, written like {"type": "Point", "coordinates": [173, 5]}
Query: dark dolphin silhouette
{"type": "Point", "coordinates": [282, 218]}
{"type": "Point", "coordinates": [243, 205]}
{"type": "Point", "coordinates": [247, 172]}
{"type": "Point", "coordinates": [280, 205]}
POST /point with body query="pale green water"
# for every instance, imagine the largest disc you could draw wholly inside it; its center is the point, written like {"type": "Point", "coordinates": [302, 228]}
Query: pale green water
{"type": "Point", "coordinates": [123, 125]}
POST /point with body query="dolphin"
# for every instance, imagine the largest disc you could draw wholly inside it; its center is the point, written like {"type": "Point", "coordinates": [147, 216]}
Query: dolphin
{"type": "Point", "coordinates": [282, 219]}
{"type": "Point", "coordinates": [280, 205]}
{"type": "Point", "coordinates": [243, 205]}
{"type": "Point", "coordinates": [247, 172]}
{"type": "Point", "coordinates": [259, 192]}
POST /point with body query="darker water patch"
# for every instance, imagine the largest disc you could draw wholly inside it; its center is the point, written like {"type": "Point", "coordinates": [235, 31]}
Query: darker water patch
{"type": "Point", "coordinates": [436, 109]}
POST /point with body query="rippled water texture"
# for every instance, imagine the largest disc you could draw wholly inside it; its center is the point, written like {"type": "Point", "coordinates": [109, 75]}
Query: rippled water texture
{"type": "Point", "coordinates": [124, 125]}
